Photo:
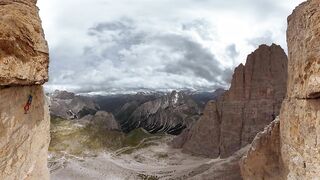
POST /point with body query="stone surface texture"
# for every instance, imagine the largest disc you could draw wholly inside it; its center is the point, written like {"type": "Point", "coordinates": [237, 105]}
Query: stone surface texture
{"type": "Point", "coordinates": [263, 160]}
{"type": "Point", "coordinates": [24, 55]}
{"type": "Point", "coordinates": [300, 111]}
{"type": "Point", "coordinates": [24, 138]}
{"type": "Point", "coordinates": [252, 102]}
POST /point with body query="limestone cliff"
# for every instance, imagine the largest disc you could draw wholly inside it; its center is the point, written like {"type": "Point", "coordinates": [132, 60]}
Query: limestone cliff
{"type": "Point", "coordinates": [299, 117]}
{"type": "Point", "coordinates": [24, 137]}
{"type": "Point", "coordinates": [252, 102]}
{"type": "Point", "coordinates": [23, 49]}
{"type": "Point", "coordinates": [300, 113]}
{"type": "Point", "coordinates": [264, 162]}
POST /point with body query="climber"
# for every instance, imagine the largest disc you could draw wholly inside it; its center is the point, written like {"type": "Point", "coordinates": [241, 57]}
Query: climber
{"type": "Point", "coordinates": [28, 104]}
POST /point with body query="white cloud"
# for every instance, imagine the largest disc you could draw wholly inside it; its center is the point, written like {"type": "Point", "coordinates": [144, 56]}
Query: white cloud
{"type": "Point", "coordinates": [107, 45]}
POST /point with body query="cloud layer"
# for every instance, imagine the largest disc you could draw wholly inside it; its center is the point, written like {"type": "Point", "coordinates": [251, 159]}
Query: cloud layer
{"type": "Point", "coordinates": [118, 46]}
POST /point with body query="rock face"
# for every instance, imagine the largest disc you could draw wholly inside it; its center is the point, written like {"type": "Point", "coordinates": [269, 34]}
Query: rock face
{"type": "Point", "coordinates": [24, 138]}
{"type": "Point", "coordinates": [69, 106]}
{"type": "Point", "coordinates": [300, 111]}
{"type": "Point", "coordinates": [23, 50]}
{"type": "Point", "coordinates": [253, 101]}
{"type": "Point", "coordinates": [170, 113]}
{"type": "Point", "coordinates": [263, 160]}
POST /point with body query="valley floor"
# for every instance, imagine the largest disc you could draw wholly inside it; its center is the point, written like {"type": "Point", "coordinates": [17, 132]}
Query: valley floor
{"type": "Point", "coordinates": [158, 161]}
{"type": "Point", "coordinates": [79, 152]}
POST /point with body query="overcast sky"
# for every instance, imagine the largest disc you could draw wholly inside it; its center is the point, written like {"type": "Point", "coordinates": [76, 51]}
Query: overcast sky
{"type": "Point", "coordinates": [128, 45]}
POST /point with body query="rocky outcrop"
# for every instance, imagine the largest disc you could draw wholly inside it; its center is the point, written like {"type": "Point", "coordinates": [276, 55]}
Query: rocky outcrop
{"type": "Point", "coordinates": [105, 121]}
{"type": "Point", "coordinates": [70, 106]}
{"type": "Point", "coordinates": [23, 50]}
{"type": "Point", "coordinates": [299, 117]}
{"type": "Point", "coordinates": [24, 136]}
{"type": "Point", "coordinates": [198, 144]}
{"type": "Point", "coordinates": [170, 113]}
{"type": "Point", "coordinates": [252, 102]}
{"type": "Point", "coordinates": [263, 160]}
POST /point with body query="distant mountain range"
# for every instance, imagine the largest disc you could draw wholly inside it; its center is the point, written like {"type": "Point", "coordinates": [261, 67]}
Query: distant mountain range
{"type": "Point", "coordinates": [153, 111]}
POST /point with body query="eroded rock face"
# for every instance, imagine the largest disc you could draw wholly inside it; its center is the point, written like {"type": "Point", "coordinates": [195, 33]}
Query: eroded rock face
{"type": "Point", "coordinates": [263, 160]}
{"type": "Point", "coordinates": [303, 48]}
{"type": "Point", "coordinates": [24, 138]}
{"type": "Point", "coordinates": [197, 140]}
{"type": "Point", "coordinates": [300, 113]}
{"type": "Point", "coordinates": [253, 101]}
{"type": "Point", "coordinates": [23, 50]}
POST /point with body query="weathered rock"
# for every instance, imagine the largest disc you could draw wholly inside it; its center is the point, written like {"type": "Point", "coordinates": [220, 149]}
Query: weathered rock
{"type": "Point", "coordinates": [24, 55]}
{"type": "Point", "coordinates": [253, 101]}
{"type": "Point", "coordinates": [300, 111]}
{"type": "Point", "coordinates": [24, 138]}
{"type": "Point", "coordinates": [303, 48]}
{"type": "Point", "coordinates": [263, 160]}
{"type": "Point", "coordinates": [200, 143]}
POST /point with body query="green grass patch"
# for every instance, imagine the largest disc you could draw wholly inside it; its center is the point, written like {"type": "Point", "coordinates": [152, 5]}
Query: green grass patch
{"type": "Point", "coordinates": [71, 138]}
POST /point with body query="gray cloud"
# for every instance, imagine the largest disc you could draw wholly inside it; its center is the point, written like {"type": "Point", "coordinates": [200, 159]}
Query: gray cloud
{"type": "Point", "coordinates": [165, 44]}
{"type": "Point", "coordinates": [124, 57]}
{"type": "Point", "coordinates": [266, 38]}
{"type": "Point", "coordinates": [231, 51]}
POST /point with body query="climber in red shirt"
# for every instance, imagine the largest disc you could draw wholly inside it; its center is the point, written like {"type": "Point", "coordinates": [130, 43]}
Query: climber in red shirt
{"type": "Point", "coordinates": [28, 104]}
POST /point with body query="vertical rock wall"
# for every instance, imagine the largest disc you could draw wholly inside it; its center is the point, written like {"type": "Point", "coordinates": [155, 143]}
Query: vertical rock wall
{"type": "Point", "coordinates": [24, 138]}
{"type": "Point", "coordinates": [299, 156]}
{"type": "Point", "coordinates": [252, 102]}
{"type": "Point", "coordinates": [300, 113]}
